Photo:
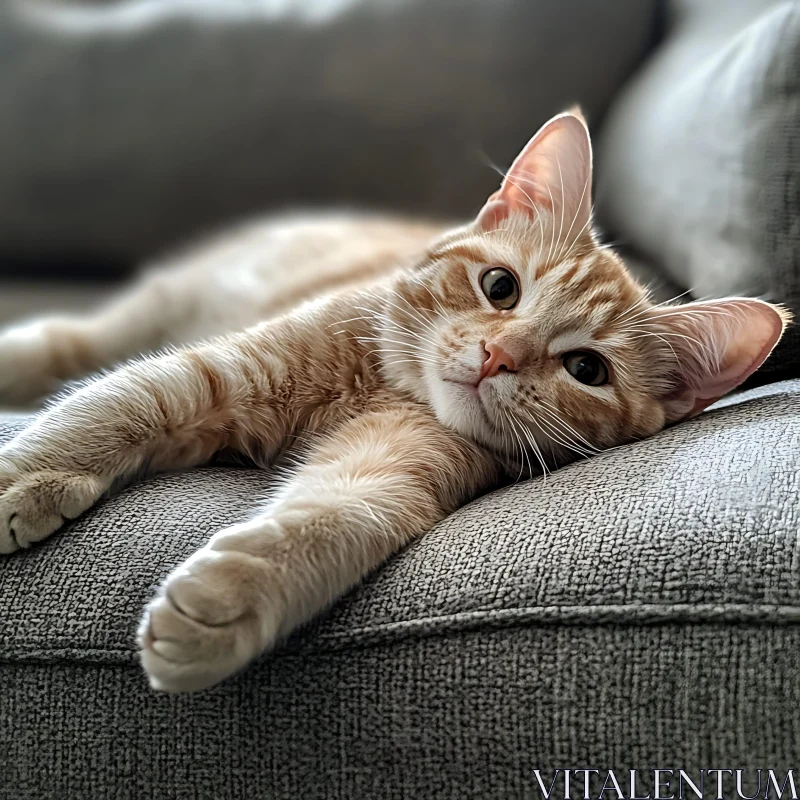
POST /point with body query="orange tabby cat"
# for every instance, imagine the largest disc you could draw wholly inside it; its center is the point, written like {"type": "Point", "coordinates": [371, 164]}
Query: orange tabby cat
{"type": "Point", "coordinates": [510, 342]}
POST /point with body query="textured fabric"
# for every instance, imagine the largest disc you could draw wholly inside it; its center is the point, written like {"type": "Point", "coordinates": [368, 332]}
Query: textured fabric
{"type": "Point", "coordinates": [173, 117]}
{"type": "Point", "coordinates": [638, 609]}
{"type": "Point", "coordinates": [699, 161]}
{"type": "Point", "coordinates": [445, 717]}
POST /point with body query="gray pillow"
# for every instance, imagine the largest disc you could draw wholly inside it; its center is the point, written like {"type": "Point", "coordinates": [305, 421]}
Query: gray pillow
{"type": "Point", "coordinates": [127, 126]}
{"type": "Point", "coordinates": [700, 157]}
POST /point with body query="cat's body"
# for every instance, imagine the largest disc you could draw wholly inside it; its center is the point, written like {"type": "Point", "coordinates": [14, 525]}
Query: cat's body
{"type": "Point", "coordinates": [429, 369]}
{"type": "Point", "coordinates": [248, 275]}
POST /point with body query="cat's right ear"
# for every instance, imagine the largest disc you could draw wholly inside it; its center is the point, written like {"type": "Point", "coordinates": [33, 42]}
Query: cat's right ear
{"type": "Point", "coordinates": [553, 173]}
{"type": "Point", "coordinates": [713, 346]}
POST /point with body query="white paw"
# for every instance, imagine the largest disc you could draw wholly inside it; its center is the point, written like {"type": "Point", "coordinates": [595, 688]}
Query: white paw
{"type": "Point", "coordinates": [213, 616]}
{"type": "Point", "coordinates": [36, 504]}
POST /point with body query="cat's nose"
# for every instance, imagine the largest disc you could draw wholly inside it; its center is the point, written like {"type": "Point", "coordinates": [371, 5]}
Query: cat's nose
{"type": "Point", "coordinates": [495, 360]}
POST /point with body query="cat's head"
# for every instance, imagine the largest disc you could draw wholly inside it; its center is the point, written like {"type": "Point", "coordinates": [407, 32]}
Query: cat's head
{"type": "Point", "coordinates": [525, 334]}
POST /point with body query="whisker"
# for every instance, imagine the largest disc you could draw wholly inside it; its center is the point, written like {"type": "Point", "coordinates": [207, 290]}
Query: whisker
{"type": "Point", "coordinates": [549, 430]}
{"type": "Point", "coordinates": [563, 438]}
{"type": "Point", "coordinates": [694, 342]}
{"type": "Point", "coordinates": [580, 233]}
{"type": "Point", "coordinates": [551, 251]}
{"type": "Point", "coordinates": [685, 311]}
{"type": "Point", "coordinates": [565, 426]}
{"type": "Point", "coordinates": [666, 342]}
{"type": "Point", "coordinates": [649, 308]}
{"type": "Point", "coordinates": [416, 361]}
{"type": "Point", "coordinates": [381, 339]}
{"type": "Point", "coordinates": [516, 184]}
{"type": "Point", "coordinates": [388, 321]}
{"type": "Point", "coordinates": [422, 318]}
{"type": "Point", "coordinates": [415, 356]}
{"type": "Point", "coordinates": [561, 180]}
{"type": "Point", "coordinates": [537, 451]}
{"type": "Point", "coordinates": [553, 438]}
{"type": "Point", "coordinates": [417, 279]}
{"type": "Point", "coordinates": [521, 448]}
{"type": "Point", "coordinates": [352, 319]}
{"type": "Point", "coordinates": [527, 435]}
{"type": "Point", "coordinates": [416, 315]}
{"type": "Point", "coordinates": [554, 413]}
{"type": "Point", "coordinates": [564, 256]}
{"type": "Point", "coordinates": [373, 315]}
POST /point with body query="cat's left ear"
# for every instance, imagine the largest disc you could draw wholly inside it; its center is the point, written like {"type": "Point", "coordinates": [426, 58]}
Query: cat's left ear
{"type": "Point", "coordinates": [713, 347]}
{"type": "Point", "coordinates": [553, 173]}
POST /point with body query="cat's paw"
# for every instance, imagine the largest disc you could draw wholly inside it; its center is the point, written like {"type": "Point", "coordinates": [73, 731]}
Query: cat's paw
{"type": "Point", "coordinates": [34, 505]}
{"type": "Point", "coordinates": [212, 617]}
{"type": "Point", "coordinates": [26, 363]}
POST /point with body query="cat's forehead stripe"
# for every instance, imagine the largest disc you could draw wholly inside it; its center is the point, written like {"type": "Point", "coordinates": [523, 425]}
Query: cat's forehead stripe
{"type": "Point", "coordinates": [468, 251]}
{"type": "Point", "coordinates": [570, 340]}
{"type": "Point", "coordinates": [575, 287]}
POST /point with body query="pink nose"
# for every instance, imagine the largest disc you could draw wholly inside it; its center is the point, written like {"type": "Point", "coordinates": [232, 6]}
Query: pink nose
{"type": "Point", "coordinates": [495, 360]}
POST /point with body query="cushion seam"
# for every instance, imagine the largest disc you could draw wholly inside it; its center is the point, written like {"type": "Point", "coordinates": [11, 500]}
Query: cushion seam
{"type": "Point", "coordinates": [447, 624]}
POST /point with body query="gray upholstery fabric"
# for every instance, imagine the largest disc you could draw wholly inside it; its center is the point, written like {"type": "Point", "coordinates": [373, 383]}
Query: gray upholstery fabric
{"type": "Point", "coordinates": [127, 126]}
{"type": "Point", "coordinates": [700, 157]}
{"type": "Point", "coordinates": [638, 609]}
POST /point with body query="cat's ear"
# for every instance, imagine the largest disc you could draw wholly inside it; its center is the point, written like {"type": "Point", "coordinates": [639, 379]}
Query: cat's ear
{"type": "Point", "coordinates": [553, 173]}
{"type": "Point", "coordinates": [713, 347]}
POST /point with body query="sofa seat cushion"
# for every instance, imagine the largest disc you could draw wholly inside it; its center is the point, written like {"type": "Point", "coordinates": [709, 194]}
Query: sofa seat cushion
{"type": "Point", "coordinates": [697, 524]}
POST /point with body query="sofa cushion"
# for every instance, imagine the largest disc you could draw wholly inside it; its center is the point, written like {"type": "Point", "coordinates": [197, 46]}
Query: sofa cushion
{"type": "Point", "coordinates": [176, 116]}
{"type": "Point", "coordinates": [698, 523]}
{"type": "Point", "coordinates": [699, 161]}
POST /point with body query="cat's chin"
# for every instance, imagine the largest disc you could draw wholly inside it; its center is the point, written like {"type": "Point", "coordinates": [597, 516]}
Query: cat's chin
{"type": "Point", "coordinates": [463, 407]}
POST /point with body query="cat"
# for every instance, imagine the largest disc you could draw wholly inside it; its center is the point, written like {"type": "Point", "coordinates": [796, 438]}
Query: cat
{"type": "Point", "coordinates": [431, 366]}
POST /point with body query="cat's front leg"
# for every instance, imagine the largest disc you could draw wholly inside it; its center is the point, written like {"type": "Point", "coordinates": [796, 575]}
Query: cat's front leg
{"type": "Point", "coordinates": [381, 480]}
{"type": "Point", "coordinates": [165, 412]}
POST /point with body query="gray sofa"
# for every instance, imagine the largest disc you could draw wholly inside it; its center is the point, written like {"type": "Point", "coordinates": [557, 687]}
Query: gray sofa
{"type": "Point", "coordinates": [637, 610]}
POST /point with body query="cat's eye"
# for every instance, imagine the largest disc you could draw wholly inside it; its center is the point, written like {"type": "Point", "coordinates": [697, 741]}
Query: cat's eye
{"type": "Point", "coordinates": [586, 367]}
{"type": "Point", "coordinates": [500, 287]}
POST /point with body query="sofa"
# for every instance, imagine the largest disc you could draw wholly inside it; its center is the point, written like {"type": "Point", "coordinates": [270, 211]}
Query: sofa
{"type": "Point", "coordinates": [636, 610]}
